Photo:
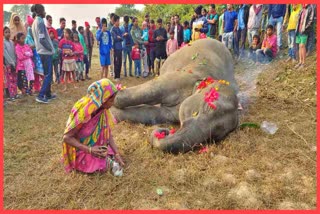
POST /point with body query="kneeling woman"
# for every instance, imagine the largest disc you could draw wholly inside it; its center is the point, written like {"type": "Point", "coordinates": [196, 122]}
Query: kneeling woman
{"type": "Point", "coordinates": [88, 144]}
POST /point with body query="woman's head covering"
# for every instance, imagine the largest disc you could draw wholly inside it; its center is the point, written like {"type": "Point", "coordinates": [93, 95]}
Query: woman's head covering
{"type": "Point", "coordinates": [52, 30]}
{"type": "Point", "coordinates": [98, 93]}
{"type": "Point", "coordinates": [14, 29]}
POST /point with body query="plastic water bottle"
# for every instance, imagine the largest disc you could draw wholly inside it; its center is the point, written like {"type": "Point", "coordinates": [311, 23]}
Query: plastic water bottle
{"type": "Point", "coordinates": [116, 169]}
{"type": "Point", "coordinates": [268, 127]}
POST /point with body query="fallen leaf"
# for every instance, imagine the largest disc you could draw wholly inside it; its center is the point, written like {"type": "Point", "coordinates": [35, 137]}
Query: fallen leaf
{"type": "Point", "coordinates": [195, 114]}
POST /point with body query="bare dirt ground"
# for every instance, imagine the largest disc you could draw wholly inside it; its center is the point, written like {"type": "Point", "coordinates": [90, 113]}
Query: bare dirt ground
{"type": "Point", "coordinates": [248, 170]}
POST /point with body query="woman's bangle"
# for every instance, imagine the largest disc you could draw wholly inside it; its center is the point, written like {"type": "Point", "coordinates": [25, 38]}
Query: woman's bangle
{"type": "Point", "coordinates": [90, 149]}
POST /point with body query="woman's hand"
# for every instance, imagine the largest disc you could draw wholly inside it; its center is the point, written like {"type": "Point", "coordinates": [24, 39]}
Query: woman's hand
{"type": "Point", "coordinates": [98, 152]}
{"type": "Point", "coordinates": [119, 159]}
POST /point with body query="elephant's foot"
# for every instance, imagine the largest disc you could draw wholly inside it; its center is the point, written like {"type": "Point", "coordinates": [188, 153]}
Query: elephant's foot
{"type": "Point", "coordinates": [147, 114]}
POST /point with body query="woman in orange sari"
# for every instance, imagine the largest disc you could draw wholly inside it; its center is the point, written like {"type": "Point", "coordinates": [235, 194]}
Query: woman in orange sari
{"type": "Point", "coordinates": [88, 143]}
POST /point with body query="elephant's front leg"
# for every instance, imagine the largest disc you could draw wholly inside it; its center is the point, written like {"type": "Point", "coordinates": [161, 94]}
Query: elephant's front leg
{"type": "Point", "coordinates": [199, 123]}
{"type": "Point", "coordinates": [146, 114]}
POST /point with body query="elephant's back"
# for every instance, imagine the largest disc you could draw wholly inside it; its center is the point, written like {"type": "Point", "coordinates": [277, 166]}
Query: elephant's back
{"type": "Point", "coordinates": [205, 57]}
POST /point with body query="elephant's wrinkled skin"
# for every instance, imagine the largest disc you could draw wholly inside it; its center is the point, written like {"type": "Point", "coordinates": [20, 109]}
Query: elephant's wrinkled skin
{"type": "Point", "coordinates": [173, 98]}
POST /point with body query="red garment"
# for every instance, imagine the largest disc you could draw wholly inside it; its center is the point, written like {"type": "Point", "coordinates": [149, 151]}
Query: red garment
{"type": "Point", "coordinates": [78, 50]}
{"type": "Point", "coordinates": [135, 54]}
{"type": "Point", "coordinates": [66, 46]}
{"type": "Point", "coordinates": [51, 29]}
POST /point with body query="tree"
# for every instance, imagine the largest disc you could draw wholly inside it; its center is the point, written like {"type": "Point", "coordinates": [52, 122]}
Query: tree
{"type": "Point", "coordinates": [126, 9]}
{"type": "Point", "coordinates": [22, 10]}
{"type": "Point", "coordinates": [6, 18]}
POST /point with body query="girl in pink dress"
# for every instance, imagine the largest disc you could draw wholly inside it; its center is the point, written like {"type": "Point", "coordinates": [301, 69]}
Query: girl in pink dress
{"type": "Point", "coordinates": [24, 65]}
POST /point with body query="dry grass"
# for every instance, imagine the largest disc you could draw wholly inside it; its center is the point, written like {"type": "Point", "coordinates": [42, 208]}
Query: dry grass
{"type": "Point", "coordinates": [248, 170]}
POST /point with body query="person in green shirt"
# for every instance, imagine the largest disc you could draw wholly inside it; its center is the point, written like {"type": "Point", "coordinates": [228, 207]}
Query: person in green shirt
{"type": "Point", "coordinates": [223, 7]}
{"type": "Point", "coordinates": [85, 49]}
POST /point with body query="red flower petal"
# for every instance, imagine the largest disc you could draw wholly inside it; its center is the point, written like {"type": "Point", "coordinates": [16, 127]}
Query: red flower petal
{"type": "Point", "coordinates": [172, 131]}
{"type": "Point", "coordinates": [203, 150]}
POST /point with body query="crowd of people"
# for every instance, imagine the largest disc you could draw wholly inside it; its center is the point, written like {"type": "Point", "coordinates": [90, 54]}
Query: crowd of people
{"type": "Point", "coordinates": [34, 51]}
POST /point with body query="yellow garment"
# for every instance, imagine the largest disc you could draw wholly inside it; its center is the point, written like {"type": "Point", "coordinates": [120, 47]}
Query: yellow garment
{"type": "Point", "coordinates": [15, 29]}
{"type": "Point", "coordinates": [293, 20]}
{"type": "Point", "coordinates": [196, 35]}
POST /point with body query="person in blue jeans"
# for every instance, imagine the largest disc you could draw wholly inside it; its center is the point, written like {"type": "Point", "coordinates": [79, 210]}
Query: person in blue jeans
{"type": "Point", "coordinates": [117, 38]}
{"type": "Point", "coordinates": [45, 50]}
{"type": "Point", "coordinates": [127, 45]}
{"type": "Point", "coordinates": [276, 15]}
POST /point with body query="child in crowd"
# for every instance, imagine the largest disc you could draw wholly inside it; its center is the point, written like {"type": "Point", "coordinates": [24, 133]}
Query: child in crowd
{"type": "Point", "coordinates": [172, 44]}
{"type": "Point", "coordinates": [135, 55]}
{"type": "Point", "coordinates": [103, 37]}
{"type": "Point", "coordinates": [68, 59]}
{"type": "Point", "coordinates": [78, 57]}
{"type": "Point", "coordinates": [292, 24]}
{"type": "Point", "coordinates": [9, 65]}
{"type": "Point", "coordinates": [56, 55]}
{"type": "Point", "coordinates": [255, 45]}
{"type": "Point", "coordinates": [186, 32]}
{"type": "Point", "coordinates": [24, 65]}
{"type": "Point", "coordinates": [268, 50]}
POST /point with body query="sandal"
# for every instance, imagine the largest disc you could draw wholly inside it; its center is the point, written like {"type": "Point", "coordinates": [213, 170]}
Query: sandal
{"type": "Point", "coordinates": [298, 65]}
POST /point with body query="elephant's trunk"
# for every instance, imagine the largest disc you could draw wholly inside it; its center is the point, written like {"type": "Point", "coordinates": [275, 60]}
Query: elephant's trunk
{"type": "Point", "coordinates": [150, 93]}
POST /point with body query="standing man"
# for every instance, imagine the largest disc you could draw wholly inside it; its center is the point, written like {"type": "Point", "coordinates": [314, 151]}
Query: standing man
{"type": "Point", "coordinates": [304, 26]}
{"type": "Point", "coordinates": [223, 7]}
{"type": "Point", "coordinates": [109, 26]}
{"type": "Point", "coordinates": [199, 25]}
{"type": "Point", "coordinates": [136, 34]}
{"type": "Point", "coordinates": [127, 45]}
{"type": "Point", "coordinates": [254, 22]}
{"type": "Point", "coordinates": [45, 50]}
{"type": "Point", "coordinates": [74, 27]}
{"type": "Point", "coordinates": [117, 39]}
{"type": "Point", "coordinates": [178, 30]}
{"type": "Point", "coordinates": [276, 15]}
{"type": "Point", "coordinates": [241, 34]}
{"type": "Point", "coordinates": [152, 46]}
{"type": "Point", "coordinates": [89, 40]}
{"type": "Point", "coordinates": [230, 25]}
{"type": "Point", "coordinates": [160, 38]}
{"type": "Point", "coordinates": [212, 18]}
{"type": "Point", "coordinates": [61, 29]}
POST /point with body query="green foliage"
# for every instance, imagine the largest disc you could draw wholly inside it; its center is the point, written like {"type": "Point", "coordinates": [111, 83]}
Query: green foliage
{"type": "Point", "coordinates": [22, 10]}
{"type": "Point", "coordinates": [126, 9]}
{"type": "Point", "coordinates": [6, 17]}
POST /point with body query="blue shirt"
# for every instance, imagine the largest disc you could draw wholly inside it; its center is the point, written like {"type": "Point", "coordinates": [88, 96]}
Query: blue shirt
{"type": "Point", "coordinates": [105, 42]}
{"type": "Point", "coordinates": [127, 40]}
{"type": "Point", "coordinates": [229, 18]}
{"type": "Point", "coordinates": [117, 42]}
{"type": "Point", "coordinates": [60, 33]}
{"type": "Point", "coordinates": [241, 24]}
{"type": "Point", "coordinates": [186, 35]}
{"type": "Point", "coordinates": [277, 10]}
